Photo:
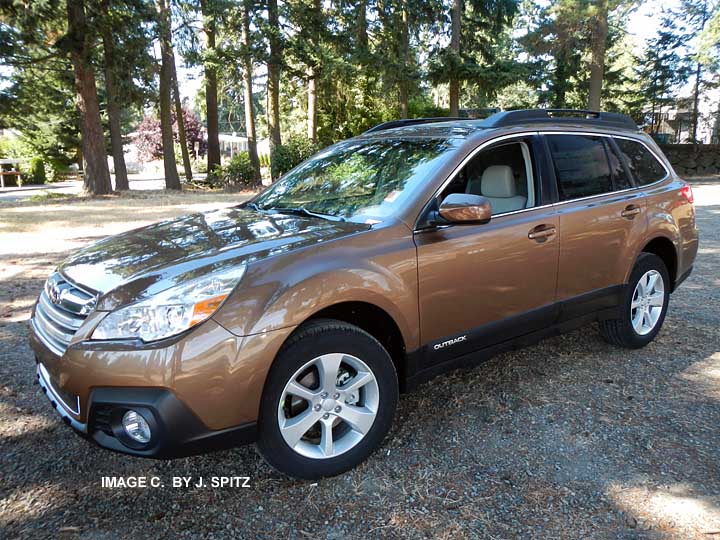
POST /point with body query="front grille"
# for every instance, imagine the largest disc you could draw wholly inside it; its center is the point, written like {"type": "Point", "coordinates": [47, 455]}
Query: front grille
{"type": "Point", "coordinates": [61, 309]}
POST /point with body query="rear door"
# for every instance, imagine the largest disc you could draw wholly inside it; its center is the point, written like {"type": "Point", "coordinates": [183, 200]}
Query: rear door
{"type": "Point", "coordinates": [602, 218]}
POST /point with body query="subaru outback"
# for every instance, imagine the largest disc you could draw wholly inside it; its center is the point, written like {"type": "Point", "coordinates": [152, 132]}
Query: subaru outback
{"type": "Point", "coordinates": [295, 319]}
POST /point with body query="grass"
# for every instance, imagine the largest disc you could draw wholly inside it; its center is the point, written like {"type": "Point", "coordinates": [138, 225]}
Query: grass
{"type": "Point", "coordinates": [44, 196]}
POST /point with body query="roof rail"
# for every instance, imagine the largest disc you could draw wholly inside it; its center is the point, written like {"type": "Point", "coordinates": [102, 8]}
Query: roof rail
{"type": "Point", "coordinates": [411, 122]}
{"type": "Point", "coordinates": [560, 116]}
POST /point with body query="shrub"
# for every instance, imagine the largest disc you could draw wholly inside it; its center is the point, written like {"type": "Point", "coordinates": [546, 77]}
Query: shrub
{"type": "Point", "coordinates": [286, 156]}
{"type": "Point", "coordinates": [199, 165]}
{"type": "Point", "coordinates": [238, 173]}
{"type": "Point", "coordinates": [36, 172]}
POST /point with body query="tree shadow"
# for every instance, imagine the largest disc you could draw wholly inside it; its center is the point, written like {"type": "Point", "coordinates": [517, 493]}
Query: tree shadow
{"type": "Point", "coordinates": [570, 438]}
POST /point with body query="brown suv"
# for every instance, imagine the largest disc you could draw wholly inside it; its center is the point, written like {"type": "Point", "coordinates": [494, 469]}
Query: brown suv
{"type": "Point", "coordinates": [295, 319]}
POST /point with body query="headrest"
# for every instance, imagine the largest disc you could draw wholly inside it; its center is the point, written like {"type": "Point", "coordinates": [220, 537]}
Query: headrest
{"type": "Point", "coordinates": [498, 181]}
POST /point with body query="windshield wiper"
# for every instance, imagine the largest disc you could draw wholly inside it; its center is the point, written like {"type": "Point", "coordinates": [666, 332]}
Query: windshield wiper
{"type": "Point", "coordinates": [252, 205]}
{"type": "Point", "coordinates": [302, 211]}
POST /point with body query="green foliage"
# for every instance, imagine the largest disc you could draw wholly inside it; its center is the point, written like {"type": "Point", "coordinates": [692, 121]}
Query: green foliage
{"type": "Point", "coordinates": [264, 160]}
{"type": "Point", "coordinates": [236, 174]}
{"type": "Point", "coordinates": [709, 45]}
{"type": "Point", "coordinates": [14, 147]}
{"type": "Point", "coordinates": [290, 154]}
{"type": "Point", "coordinates": [661, 70]}
{"type": "Point", "coordinates": [199, 165]}
{"type": "Point", "coordinates": [36, 172]}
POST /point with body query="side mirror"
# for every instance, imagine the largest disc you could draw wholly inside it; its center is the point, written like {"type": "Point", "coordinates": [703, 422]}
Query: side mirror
{"type": "Point", "coordinates": [465, 208]}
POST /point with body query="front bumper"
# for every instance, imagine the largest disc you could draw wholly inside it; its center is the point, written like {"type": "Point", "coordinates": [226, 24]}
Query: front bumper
{"type": "Point", "coordinates": [201, 390]}
{"type": "Point", "coordinates": [176, 431]}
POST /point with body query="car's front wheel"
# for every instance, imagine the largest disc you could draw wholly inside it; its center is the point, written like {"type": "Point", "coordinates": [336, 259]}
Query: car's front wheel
{"type": "Point", "coordinates": [643, 306]}
{"type": "Point", "coordinates": [328, 402]}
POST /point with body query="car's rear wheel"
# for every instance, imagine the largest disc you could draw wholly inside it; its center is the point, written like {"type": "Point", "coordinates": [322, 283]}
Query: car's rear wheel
{"type": "Point", "coordinates": [643, 306]}
{"type": "Point", "coordinates": [328, 402]}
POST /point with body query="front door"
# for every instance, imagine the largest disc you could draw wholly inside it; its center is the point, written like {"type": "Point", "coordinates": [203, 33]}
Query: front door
{"type": "Point", "coordinates": [483, 284]}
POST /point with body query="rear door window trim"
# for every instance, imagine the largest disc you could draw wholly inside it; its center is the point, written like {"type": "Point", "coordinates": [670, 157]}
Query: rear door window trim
{"type": "Point", "coordinates": [611, 136]}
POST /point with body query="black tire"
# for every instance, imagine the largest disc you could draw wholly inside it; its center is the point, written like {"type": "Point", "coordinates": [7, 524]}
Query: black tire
{"type": "Point", "coordinates": [620, 331]}
{"type": "Point", "coordinates": [324, 336]}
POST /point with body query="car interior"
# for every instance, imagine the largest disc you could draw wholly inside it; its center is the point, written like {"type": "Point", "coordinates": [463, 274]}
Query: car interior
{"type": "Point", "coordinates": [502, 174]}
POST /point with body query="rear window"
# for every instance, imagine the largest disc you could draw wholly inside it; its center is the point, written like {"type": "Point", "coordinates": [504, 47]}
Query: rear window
{"type": "Point", "coordinates": [643, 164]}
{"type": "Point", "coordinates": [581, 166]}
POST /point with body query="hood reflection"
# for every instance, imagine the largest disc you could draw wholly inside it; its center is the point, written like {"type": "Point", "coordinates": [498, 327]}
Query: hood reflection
{"type": "Point", "coordinates": [141, 262]}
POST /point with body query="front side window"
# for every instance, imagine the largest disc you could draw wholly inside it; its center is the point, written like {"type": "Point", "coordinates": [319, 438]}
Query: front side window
{"type": "Point", "coordinates": [643, 165]}
{"type": "Point", "coordinates": [581, 166]}
{"type": "Point", "coordinates": [359, 180]}
{"type": "Point", "coordinates": [502, 173]}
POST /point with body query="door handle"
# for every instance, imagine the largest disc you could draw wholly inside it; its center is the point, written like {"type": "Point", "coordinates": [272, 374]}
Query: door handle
{"type": "Point", "coordinates": [631, 211]}
{"type": "Point", "coordinates": [541, 232]}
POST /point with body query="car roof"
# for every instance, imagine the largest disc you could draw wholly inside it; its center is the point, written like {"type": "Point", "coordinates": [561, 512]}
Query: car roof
{"type": "Point", "coordinates": [527, 118]}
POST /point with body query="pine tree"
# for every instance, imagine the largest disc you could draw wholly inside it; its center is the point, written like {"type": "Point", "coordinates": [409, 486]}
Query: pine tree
{"type": "Point", "coordinates": [164, 29]}
{"type": "Point", "coordinates": [661, 69]}
{"type": "Point", "coordinates": [79, 44]}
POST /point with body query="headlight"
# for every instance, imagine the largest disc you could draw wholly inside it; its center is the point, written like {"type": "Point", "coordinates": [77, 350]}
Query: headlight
{"type": "Point", "coordinates": [171, 311]}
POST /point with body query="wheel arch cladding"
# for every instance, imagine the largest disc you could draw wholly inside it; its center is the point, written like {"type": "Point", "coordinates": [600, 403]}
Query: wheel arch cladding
{"type": "Point", "coordinates": [375, 321]}
{"type": "Point", "coordinates": [665, 249]}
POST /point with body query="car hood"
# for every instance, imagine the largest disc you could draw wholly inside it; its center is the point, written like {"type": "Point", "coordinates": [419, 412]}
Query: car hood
{"type": "Point", "coordinates": [137, 264]}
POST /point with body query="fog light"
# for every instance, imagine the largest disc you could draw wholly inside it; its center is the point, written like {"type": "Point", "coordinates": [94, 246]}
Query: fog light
{"type": "Point", "coordinates": [136, 427]}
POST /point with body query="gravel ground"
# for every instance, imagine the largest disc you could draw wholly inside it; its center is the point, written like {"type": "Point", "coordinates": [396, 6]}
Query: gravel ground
{"type": "Point", "coordinates": [571, 438]}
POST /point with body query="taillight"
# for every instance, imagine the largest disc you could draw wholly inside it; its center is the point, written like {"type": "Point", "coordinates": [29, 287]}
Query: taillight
{"type": "Point", "coordinates": [686, 191]}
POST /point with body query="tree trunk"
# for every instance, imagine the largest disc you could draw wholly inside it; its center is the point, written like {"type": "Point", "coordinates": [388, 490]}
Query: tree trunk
{"type": "Point", "coordinates": [172, 180]}
{"type": "Point", "coordinates": [273, 66]}
{"type": "Point", "coordinates": [698, 78]}
{"type": "Point", "coordinates": [311, 104]}
{"type": "Point", "coordinates": [113, 112]}
{"type": "Point", "coordinates": [597, 61]}
{"type": "Point", "coordinates": [454, 92]}
{"type": "Point", "coordinates": [311, 71]}
{"type": "Point", "coordinates": [404, 55]}
{"type": "Point", "coordinates": [211, 99]}
{"type": "Point", "coordinates": [696, 102]}
{"type": "Point", "coordinates": [247, 90]}
{"type": "Point", "coordinates": [97, 175]}
{"type": "Point", "coordinates": [361, 25]}
{"type": "Point", "coordinates": [181, 125]}
{"type": "Point", "coordinates": [560, 80]}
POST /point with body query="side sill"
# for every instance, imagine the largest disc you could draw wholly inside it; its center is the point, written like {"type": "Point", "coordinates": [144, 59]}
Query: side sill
{"type": "Point", "coordinates": [424, 363]}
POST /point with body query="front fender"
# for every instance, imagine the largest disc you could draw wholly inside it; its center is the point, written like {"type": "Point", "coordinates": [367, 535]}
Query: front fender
{"type": "Point", "coordinates": [377, 267]}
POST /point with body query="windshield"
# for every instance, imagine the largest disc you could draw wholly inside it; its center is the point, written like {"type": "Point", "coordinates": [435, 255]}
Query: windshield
{"type": "Point", "coordinates": [359, 180]}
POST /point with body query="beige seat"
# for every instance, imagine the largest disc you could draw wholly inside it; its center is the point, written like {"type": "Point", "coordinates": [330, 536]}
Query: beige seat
{"type": "Point", "coordinates": [498, 186]}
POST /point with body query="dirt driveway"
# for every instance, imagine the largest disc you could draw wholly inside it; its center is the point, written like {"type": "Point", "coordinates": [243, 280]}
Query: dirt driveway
{"type": "Point", "coordinates": [569, 439]}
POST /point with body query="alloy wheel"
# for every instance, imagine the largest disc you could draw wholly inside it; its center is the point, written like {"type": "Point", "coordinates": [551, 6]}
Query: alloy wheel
{"type": "Point", "coordinates": [328, 406]}
{"type": "Point", "coordinates": [647, 302]}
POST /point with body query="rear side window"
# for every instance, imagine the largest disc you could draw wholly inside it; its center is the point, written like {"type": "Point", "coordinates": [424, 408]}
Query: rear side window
{"type": "Point", "coordinates": [581, 166]}
{"type": "Point", "coordinates": [620, 176]}
{"type": "Point", "coordinates": [643, 164]}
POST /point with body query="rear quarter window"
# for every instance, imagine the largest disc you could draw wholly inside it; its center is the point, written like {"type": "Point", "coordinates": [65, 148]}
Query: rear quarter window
{"type": "Point", "coordinates": [581, 166]}
{"type": "Point", "coordinates": [644, 166]}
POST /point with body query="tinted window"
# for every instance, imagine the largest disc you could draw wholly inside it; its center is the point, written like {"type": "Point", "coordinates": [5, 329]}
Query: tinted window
{"type": "Point", "coordinates": [620, 176]}
{"type": "Point", "coordinates": [581, 165]}
{"type": "Point", "coordinates": [644, 166]}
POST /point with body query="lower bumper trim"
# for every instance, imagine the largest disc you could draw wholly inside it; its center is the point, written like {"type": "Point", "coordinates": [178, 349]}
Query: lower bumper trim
{"type": "Point", "coordinates": [58, 404]}
{"type": "Point", "coordinates": [177, 431]}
